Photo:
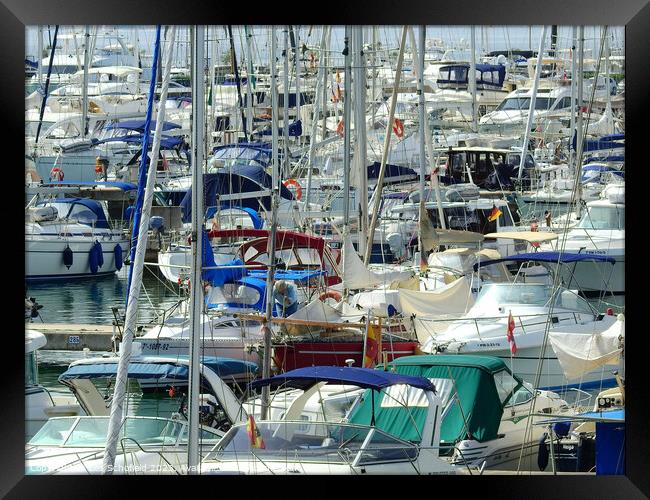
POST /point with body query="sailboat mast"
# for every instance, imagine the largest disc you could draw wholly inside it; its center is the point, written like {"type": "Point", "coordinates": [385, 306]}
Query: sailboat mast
{"type": "Point", "coordinates": [233, 60]}
{"type": "Point", "coordinates": [196, 297]}
{"type": "Point", "coordinates": [296, 55]}
{"type": "Point", "coordinates": [472, 78]}
{"type": "Point", "coordinates": [531, 107]}
{"type": "Point", "coordinates": [579, 121]}
{"type": "Point", "coordinates": [433, 159]}
{"type": "Point", "coordinates": [40, 54]}
{"type": "Point", "coordinates": [285, 107]}
{"type": "Point", "coordinates": [384, 156]}
{"type": "Point", "coordinates": [422, 133]}
{"type": "Point", "coordinates": [320, 81]}
{"type": "Point", "coordinates": [249, 83]}
{"type": "Point", "coordinates": [84, 92]}
{"type": "Point", "coordinates": [346, 134]}
{"type": "Point", "coordinates": [360, 133]}
{"type": "Point", "coordinates": [137, 260]}
{"type": "Point", "coordinates": [266, 365]}
{"type": "Point", "coordinates": [574, 80]}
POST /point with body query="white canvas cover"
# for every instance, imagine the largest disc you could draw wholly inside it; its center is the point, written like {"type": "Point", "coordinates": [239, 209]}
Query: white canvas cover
{"type": "Point", "coordinates": [450, 301]}
{"type": "Point", "coordinates": [581, 353]}
{"type": "Point", "coordinates": [357, 275]}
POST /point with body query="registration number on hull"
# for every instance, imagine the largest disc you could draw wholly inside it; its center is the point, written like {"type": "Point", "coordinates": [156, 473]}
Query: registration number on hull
{"type": "Point", "coordinates": [158, 346]}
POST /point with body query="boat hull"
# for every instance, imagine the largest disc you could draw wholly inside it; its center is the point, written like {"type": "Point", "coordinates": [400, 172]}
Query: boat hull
{"type": "Point", "coordinates": [44, 258]}
{"type": "Point", "coordinates": [294, 355]}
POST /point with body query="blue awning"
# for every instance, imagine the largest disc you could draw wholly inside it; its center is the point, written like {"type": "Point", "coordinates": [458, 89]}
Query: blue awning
{"type": "Point", "coordinates": [393, 173]}
{"type": "Point", "coordinates": [295, 275]}
{"type": "Point", "coordinates": [124, 186]}
{"type": "Point", "coordinates": [258, 222]}
{"type": "Point", "coordinates": [366, 378]}
{"type": "Point", "coordinates": [92, 205]}
{"type": "Point", "coordinates": [166, 142]}
{"type": "Point", "coordinates": [139, 125]}
{"type": "Point", "coordinates": [550, 257]}
{"type": "Point", "coordinates": [156, 370]}
{"type": "Point", "coordinates": [235, 180]}
{"type": "Point", "coordinates": [136, 370]}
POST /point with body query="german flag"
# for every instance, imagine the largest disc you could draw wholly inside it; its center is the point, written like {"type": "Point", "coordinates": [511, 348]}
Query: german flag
{"type": "Point", "coordinates": [254, 434]}
{"type": "Point", "coordinates": [494, 214]}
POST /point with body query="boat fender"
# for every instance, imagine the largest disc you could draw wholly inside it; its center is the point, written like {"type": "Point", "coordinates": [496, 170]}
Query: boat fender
{"type": "Point", "coordinates": [330, 294]}
{"type": "Point", "coordinates": [542, 452]}
{"type": "Point", "coordinates": [118, 257]}
{"type": "Point", "coordinates": [96, 257]}
{"type": "Point", "coordinates": [68, 256]}
{"type": "Point", "coordinates": [92, 259]}
{"type": "Point", "coordinates": [100, 253]}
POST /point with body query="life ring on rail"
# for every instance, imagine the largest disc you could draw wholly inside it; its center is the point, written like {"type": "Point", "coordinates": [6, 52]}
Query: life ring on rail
{"type": "Point", "coordinates": [398, 128]}
{"type": "Point", "coordinates": [340, 127]}
{"type": "Point", "coordinates": [296, 184]}
{"type": "Point", "coordinates": [330, 294]}
{"type": "Point", "coordinates": [56, 174]}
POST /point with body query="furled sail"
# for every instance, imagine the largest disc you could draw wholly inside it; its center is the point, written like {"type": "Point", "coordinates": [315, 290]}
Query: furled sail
{"type": "Point", "coordinates": [357, 275]}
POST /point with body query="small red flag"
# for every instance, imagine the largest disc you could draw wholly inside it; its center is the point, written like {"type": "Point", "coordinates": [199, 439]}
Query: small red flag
{"type": "Point", "coordinates": [511, 334]}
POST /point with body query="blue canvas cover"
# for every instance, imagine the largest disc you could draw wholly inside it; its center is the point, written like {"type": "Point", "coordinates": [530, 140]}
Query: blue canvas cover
{"type": "Point", "coordinates": [139, 125]}
{"type": "Point", "coordinates": [550, 257]}
{"type": "Point", "coordinates": [238, 179]}
{"type": "Point", "coordinates": [367, 378]}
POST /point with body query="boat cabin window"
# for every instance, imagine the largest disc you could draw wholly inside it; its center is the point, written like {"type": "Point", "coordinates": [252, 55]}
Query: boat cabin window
{"type": "Point", "coordinates": [493, 295]}
{"type": "Point", "coordinates": [522, 395]}
{"type": "Point", "coordinates": [515, 159]}
{"type": "Point", "coordinates": [604, 218]}
{"type": "Point", "coordinates": [505, 384]}
{"type": "Point", "coordinates": [31, 370]}
{"type": "Point", "coordinates": [564, 103]}
{"type": "Point", "coordinates": [523, 103]}
{"type": "Point", "coordinates": [567, 299]}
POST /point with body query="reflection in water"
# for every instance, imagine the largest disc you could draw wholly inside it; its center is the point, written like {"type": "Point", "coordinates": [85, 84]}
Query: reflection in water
{"type": "Point", "coordinates": [90, 300]}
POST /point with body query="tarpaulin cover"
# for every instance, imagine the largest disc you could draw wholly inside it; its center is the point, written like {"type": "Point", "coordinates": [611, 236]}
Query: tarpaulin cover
{"type": "Point", "coordinates": [580, 353]}
{"type": "Point", "coordinates": [236, 180]}
{"type": "Point", "coordinates": [473, 391]}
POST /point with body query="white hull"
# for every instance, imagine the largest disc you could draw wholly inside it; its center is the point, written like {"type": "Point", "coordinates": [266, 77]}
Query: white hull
{"type": "Point", "coordinates": [44, 257]}
{"type": "Point", "coordinates": [526, 362]}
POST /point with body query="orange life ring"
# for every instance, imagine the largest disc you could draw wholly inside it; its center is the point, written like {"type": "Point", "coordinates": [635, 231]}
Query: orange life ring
{"type": "Point", "coordinates": [296, 184]}
{"type": "Point", "coordinates": [340, 127]}
{"type": "Point", "coordinates": [56, 174]}
{"type": "Point", "coordinates": [398, 128]}
{"type": "Point", "coordinates": [330, 293]}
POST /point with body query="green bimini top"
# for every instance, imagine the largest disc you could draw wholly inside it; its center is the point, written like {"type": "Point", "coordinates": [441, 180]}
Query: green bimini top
{"type": "Point", "coordinates": [473, 390]}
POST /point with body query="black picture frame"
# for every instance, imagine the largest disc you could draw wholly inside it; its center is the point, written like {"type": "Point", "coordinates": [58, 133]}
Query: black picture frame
{"type": "Point", "coordinates": [634, 14]}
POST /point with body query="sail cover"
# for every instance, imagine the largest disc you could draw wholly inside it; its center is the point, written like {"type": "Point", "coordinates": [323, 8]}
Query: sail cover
{"type": "Point", "coordinates": [357, 275]}
{"type": "Point", "coordinates": [580, 353]}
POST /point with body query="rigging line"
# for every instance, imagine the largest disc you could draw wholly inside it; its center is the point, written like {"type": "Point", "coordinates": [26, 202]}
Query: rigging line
{"type": "Point", "coordinates": [528, 430]}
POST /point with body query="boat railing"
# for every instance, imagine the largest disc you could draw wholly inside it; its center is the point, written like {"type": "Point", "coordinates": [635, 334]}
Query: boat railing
{"type": "Point", "coordinates": [489, 320]}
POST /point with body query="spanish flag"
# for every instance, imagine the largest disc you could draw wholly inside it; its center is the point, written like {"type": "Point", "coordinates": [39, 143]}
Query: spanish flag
{"type": "Point", "coordinates": [373, 341]}
{"type": "Point", "coordinates": [254, 434]}
{"type": "Point", "coordinates": [510, 335]}
{"type": "Point", "coordinates": [494, 214]}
